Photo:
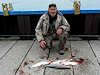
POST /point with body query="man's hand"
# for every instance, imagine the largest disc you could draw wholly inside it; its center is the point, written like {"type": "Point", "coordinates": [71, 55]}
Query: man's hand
{"type": "Point", "coordinates": [59, 31]}
{"type": "Point", "coordinates": [43, 44]}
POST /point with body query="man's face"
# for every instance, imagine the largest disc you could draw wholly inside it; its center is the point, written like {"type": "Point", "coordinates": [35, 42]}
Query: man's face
{"type": "Point", "coordinates": [52, 11]}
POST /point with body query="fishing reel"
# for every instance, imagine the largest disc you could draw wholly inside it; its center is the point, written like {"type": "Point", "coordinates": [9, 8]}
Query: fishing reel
{"type": "Point", "coordinates": [6, 9]}
{"type": "Point", "coordinates": [76, 6]}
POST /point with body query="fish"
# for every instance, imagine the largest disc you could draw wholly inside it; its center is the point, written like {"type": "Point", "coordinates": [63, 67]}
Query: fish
{"type": "Point", "coordinates": [63, 64]}
{"type": "Point", "coordinates": [42, 63]}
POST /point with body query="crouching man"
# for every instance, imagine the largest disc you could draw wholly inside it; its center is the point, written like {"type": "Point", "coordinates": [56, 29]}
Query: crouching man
{"type": "Point", "coordinates": [52, 25]}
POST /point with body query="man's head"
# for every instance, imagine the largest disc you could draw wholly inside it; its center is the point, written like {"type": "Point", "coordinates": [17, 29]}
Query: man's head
{"type": "Point", "coordinates": [52, 10]}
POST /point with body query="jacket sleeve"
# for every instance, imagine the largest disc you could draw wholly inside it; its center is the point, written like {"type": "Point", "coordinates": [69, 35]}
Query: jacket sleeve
{"type": "Point", "coordinates": [38, 29]}
{"type": "Point", "coordinates": [65, 25]}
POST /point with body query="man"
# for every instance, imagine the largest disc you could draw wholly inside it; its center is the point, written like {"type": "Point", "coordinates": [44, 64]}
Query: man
{"type": "Point", "coordinates": [52, 25]}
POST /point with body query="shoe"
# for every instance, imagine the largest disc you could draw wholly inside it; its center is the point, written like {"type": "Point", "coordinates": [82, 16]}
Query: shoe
{"type": "Point", "coordinates": [66, 49]}
{"type": "Point", "coordinates": [61, 52]}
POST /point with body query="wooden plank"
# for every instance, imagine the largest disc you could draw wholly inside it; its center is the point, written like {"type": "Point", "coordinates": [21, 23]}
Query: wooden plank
{"type": "Point", "coordinates": [15, 56]}
{"type": "Point", "coordinates": [5, 46]}
{"type": "Point", "coordinates": [81, 49]}
{"type": "Point", "coordinates": [96, 48]}
{"type": "Point", "coordinates": [54, 55]}
{"type": "Point", "coordinates": [24, 25]}
{"type": "Point", "coordinates": [36, 55]}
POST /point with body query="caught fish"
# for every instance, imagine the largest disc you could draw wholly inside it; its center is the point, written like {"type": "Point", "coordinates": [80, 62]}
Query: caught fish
{"type": "Point", "coordinates": [59, 64]}
{"type": "Point", "coordinates": [63, 64]}
{"type": "Point", "coordinates": [42, 63]}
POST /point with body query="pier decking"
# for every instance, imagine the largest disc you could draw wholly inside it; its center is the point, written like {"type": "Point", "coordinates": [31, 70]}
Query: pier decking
{"type": "Point", "coordinates": [14, 53]}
